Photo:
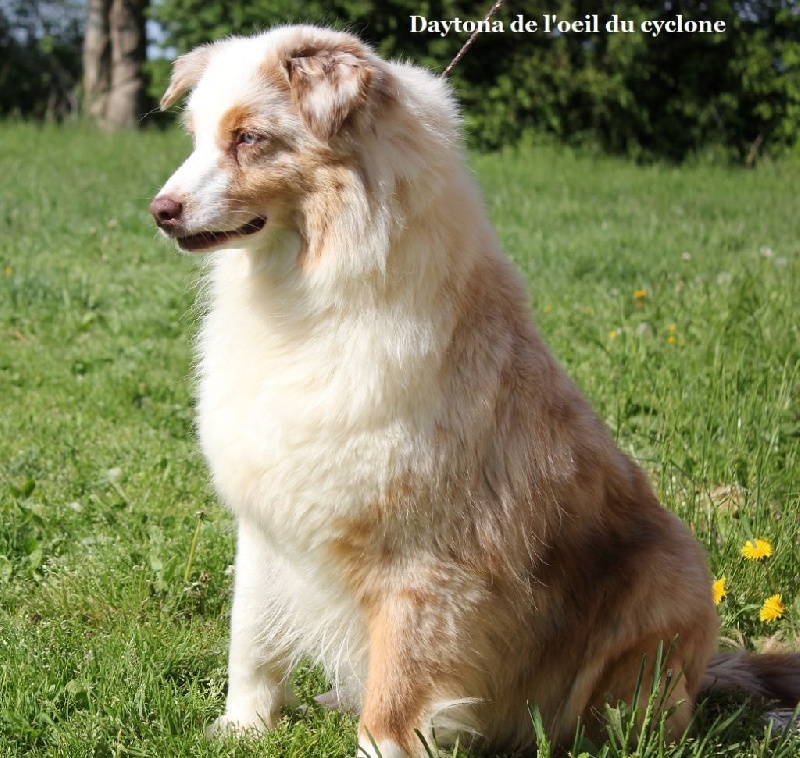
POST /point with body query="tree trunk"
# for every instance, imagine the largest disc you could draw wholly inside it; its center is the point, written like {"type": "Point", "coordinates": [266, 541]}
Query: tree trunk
{"type": "Point", "coordinates": [126, 102]}
{"type": "Point", "coordinates": [97, 59]}
{"type": "Point", "coordinates": [114, 52]}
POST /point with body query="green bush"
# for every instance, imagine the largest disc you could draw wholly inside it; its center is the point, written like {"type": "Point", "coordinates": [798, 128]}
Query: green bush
{"type": "Point", "coordinates": [735, 93]}
{"type": "Point", "coordinates": [40, 58]}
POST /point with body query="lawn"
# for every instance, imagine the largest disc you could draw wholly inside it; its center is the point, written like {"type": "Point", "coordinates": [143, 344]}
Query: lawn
{"type": "Point", "coordinates": [670, 294]}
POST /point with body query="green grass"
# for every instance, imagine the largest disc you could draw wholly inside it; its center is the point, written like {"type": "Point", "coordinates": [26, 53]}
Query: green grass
{"type": "Point", "coordinates": [108, 649]}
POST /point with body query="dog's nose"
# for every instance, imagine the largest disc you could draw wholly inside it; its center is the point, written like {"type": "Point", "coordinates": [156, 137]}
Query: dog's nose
{"type": "Point", "coordinates": [166, 210]}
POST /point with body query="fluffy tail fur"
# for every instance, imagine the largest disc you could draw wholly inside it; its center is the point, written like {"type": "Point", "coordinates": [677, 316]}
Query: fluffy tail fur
{"type": "Point", "coordinates": [771, 677]}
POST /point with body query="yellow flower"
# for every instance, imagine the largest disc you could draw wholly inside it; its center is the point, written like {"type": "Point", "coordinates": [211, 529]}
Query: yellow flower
{"type": "Point", "coordinates": [8, 270]}
{"type": "Point", "coordinates": [671, 339]}
{"type": "Point", "coordinates": [718, 590]}
{"type": "Point", "coordinates": [756, 550]}
{"type": "Point", "coordinates": [672, 328]}
{"type": "Point", "coordinates": [547, 308]}
{"type": "Point", "coordinates": [772, 609]}
{"type": "Point", "coordinates": [639, 294]}
{"type": "Point", "coordinates": [613, 334]}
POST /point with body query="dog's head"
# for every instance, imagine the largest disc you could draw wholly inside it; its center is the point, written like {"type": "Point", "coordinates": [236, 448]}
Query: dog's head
{"type": "Point", "coordinates": [277, 121]}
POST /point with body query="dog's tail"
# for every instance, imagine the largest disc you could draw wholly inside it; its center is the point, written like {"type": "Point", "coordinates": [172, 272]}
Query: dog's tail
{"type": "Point", "coordinates": [769, 677]}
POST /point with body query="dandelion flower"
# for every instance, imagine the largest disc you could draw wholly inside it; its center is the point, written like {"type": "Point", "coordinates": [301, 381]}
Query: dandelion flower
{"type": "Point", "coordinates": [639, 294]}
{"type": "Point", "coordinates": [718, 590]}
{"type": "Point", "coordinates": [772, 609]}
{"type": "Point", "coordinates": [547, 308]}
{"type": "Point", "coordinates": [8, 271]}
{"type": "Point", "coordinates": [672, 328]}
{"type": "Point", "coordinates": [672, 339]}
{"type": "Point", "coordinates": [613, 334]}
{"type": "Point", "coordinates": [756, 550]}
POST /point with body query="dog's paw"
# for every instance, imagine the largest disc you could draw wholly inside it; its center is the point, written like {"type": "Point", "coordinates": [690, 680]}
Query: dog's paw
{"type": "Point", "coordinates": [368, 748]}
{"type": "Point", "coordinates": [230, 726]}
{"type": "Point", "coordinates": [339, 700]}
{"type": "Point", "coordinates": [782, 720]}
{"type": "Point", "coordinates": [330, 700]}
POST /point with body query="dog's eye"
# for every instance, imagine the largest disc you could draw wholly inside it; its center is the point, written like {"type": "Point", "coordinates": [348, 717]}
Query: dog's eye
{"type": "Point", "coordinates": [247, 138]}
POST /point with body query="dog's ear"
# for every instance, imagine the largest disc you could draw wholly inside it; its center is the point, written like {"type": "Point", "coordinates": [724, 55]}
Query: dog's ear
{"type": "Point", "coordinates": [327, 86]}
{"type": "Point", "coordinates": [186, 72]}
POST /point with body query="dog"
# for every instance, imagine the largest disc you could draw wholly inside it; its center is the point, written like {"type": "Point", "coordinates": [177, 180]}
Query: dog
{"type": "Point", "coordinates": [425, 503]}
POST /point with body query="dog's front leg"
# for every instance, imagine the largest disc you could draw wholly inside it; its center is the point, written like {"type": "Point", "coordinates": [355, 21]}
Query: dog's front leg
{"type": "Point", "coordinates": [399, 680]}
{"type": "Point", "coordinates": [259, 659]}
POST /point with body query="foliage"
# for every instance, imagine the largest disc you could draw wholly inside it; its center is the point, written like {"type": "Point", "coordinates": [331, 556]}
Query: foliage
{"type": "Point", "coordinates": [40, 65]}
{"type": "Point", "coordinates": [668, 96]}
{"type": "Point", "coordinates": [736, 94]}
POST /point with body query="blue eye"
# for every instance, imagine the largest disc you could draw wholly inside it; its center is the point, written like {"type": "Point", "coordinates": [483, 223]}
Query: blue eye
{"type": "Point", "coordinates": [247, 138]}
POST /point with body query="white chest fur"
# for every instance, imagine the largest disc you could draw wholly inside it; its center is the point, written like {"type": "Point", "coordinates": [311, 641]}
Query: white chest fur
{"type": "Point", "coordinates": [306, 420]}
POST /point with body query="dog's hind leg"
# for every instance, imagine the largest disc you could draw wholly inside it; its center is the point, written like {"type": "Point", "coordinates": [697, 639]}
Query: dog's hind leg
{"type": "Point", "coordinates": [655, 686]}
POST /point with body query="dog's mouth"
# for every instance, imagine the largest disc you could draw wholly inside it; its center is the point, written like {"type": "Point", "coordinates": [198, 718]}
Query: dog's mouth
{"type": "Point", "coordinates": [206, 240]}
